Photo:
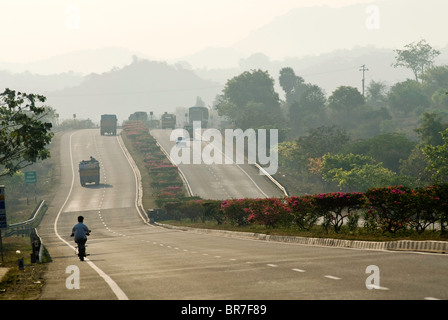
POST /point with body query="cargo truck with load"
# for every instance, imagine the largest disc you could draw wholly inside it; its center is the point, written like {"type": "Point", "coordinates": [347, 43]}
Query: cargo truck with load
{"type": "Point", "coordinates": [168, 120]}
{"type": "Point", "coordinates": [89, 171]}
{"type": "Point", "coordinates": [108, 124]}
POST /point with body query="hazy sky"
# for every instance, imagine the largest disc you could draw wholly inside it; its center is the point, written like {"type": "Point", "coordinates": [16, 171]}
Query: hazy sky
{"type": "Point", "coordinates": [163, 29]}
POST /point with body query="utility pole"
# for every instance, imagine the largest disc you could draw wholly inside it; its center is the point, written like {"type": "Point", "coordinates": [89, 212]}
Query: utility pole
{"type": "Point", "coordinates": [363, 69]}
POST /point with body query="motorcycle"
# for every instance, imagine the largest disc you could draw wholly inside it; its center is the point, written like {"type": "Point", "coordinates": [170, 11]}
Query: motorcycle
{"type": "Point", "coordinates": [80, 250]}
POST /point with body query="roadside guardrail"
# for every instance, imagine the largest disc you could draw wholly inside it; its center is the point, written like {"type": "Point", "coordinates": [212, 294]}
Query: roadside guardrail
{"type": "Point", "coordinates": [24, 227]}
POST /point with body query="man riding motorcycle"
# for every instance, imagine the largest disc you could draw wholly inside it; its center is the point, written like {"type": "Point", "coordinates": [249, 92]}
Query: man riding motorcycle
{"type": "Point", "coordinates": [80, 231]}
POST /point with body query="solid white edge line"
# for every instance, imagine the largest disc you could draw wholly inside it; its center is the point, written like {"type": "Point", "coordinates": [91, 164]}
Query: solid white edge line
{"type": "Point", "coordinates": [112, 284]}
{"type": "Point", "coordinates": [136, 172]}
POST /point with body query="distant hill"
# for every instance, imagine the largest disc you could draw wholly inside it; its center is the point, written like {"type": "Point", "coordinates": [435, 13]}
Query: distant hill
{"type": "Point", "coordinates": [320, 29]}
{"type": "Point", "coordinates": [80, 62]}
{"type": "Point", "coordinates": [142, 85]}
{"type": "Point", "coordinates": [36, 83]}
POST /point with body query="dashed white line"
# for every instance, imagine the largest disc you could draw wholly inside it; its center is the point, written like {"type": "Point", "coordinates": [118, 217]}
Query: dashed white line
{"type": "Point", "coordinates": [373, 286]}
{"type": "Point", "coordinates": [332, 277]}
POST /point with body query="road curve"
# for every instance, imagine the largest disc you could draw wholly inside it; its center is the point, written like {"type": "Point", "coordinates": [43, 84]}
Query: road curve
{"type": "Point", "coordinates": [152, 263]}
{"type": "Point", "coordinates": [220, 181]}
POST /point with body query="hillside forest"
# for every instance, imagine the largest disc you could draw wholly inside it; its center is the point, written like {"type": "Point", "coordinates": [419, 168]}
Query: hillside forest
{"type": "Point", "coordinates": [349, 140]}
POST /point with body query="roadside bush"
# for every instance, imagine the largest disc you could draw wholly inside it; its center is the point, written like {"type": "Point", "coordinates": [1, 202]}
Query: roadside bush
{"type": "Point", "coordinates": [390, 205]}
{"type": "Point", "coordinates": [212, 211]}
{"type": "Point", "coordinates": [304, 210]}
{"type": "Point", "coordinates": [270, 212]}
{"type": "Point", "coordinates": [336, 206]}
{"type": "Point", "coordinates": [236, 211]}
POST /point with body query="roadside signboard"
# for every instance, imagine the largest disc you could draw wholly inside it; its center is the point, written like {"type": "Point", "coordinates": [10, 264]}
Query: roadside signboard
{"type": "Point", "coordinates": [2, 208]}
{"type": "Point", "coordinates": [30, 177]}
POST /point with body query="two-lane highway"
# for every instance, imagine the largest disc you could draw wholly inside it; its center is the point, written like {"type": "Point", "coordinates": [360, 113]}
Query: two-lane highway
{"type": "Point", "coordinates": [219, 181]}
{"type": "Point", "coordinates": [130, 259]}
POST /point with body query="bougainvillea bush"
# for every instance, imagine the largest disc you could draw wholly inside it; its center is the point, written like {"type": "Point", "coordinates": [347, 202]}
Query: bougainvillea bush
{"type": "Point", "coordinates": [387, 210]}
{"type": "Point", "coordinates": [334, 207]}
{"type": "Point", "coordinates": [304, 210]}
{"type": "Point", "coordinates": [270, 212]}
{"type": "Point", "coordinates": [236, 211]}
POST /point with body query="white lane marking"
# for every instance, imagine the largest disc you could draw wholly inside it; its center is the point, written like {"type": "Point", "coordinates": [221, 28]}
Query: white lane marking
{"type": "Point", "coordinates": [374, 286]}
{"type": "Point", "coordinates": [112, 284]}
{"type": "Point", "coordinates": [233, 162]}
{"type": "Point", "coordinates": [332, 277]}
{"type": "Point", "coordinates": [136, 172]}
{"type": "Point", "coordinates": [272, 265]}
{"type": "Point", "coordinates": [298, 270]}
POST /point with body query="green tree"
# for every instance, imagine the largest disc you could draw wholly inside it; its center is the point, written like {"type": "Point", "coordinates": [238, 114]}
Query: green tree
{"type": "Point", "coordinates": [345, 99]}
{"type": "Point", "coordinates": [435, 78]}
{"type": "Point", "coordinates": [353, 172]}
{"type": "Point", "coordinates": [309, 111]}
{"type": "Point", "coordinates": [23, 134]}
{"type": "Point", "coordinates": [288, 80]}
{"type": "Point", "coordinates": [251, 91]}
{"type": "Point", "coordinates": [388, 148]}
{"type": "Point", "coordinates": [322, 140]}
{"type": "Point", "coordinates": [292, 84]}
{"type": "Point", "coordinates": [407, 96]}
{"type": "Point", "coordinates": [440, 98]}
{"type": "Point", "coordinates": [376, 94]}
{"type": "Point", "coordinates": [296, 155]}
{"type": "Point", "coordinates": [414, 167]}
{"type": "Point", "coordinates": [438, 159]}
{"type": "Point", "coordinates": [416, 56]}
{"type": "Point", "coordinates": [430, 128]}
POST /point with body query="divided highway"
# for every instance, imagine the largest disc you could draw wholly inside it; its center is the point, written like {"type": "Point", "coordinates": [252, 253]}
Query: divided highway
{"type": "Point", "coordinates": [130, 259]}
{"type": "Point", "coordinates": [220, 181]}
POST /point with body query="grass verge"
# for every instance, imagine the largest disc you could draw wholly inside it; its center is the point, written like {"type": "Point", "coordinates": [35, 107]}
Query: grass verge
{"type": "Point", "coordinates": [19, 284]}
{"type": "Point", "coordinates": [27, 284]}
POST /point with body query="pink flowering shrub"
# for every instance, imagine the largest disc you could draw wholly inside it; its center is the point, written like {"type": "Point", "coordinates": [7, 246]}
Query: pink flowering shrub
{"type": "Point", "coordinates": [236, 211]}
{"type": "Point", "coordinates": [334, 207]}
{"type": "Point", "coordinates": [270, 212]}
{"type": "Point", "coordinates": [304, 210]}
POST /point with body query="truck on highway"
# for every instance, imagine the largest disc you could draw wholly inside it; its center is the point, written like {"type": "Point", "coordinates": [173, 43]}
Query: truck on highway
{"type": "Point", "coordinates": [108, 124]}
{"type": "Point", "coordinates": [168, 120]}
{"type": "Point", "coordinates": [89, 171]}
{"type": "Point", "coordinates": [198, 113]}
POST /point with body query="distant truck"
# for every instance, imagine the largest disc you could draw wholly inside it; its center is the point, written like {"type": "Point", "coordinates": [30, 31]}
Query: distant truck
{"type": "Point", "coordinates": [108, 124]}
{"type": "Point", "coordinates": [168, 120]}
{"type": "Point", "coordinates": [89, 171]}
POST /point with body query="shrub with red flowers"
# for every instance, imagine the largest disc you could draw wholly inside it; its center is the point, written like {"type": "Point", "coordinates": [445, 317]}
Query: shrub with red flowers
{"type": "Point", "coordinates": [423, 208]}
{"type": "Point", "coordinates": [270, 212]}
{"type": "Point", "coordinates": [304, 210]}
{"type": "Point", "coordinates": [164, 175]}
{"type": "Point", "coordinates": [236, 211]}
{"type": "Point", "coordinates": [390, 206]}
{"type": "Point", "coordinates": [168, 194]}
{"type": "Point", "coordinates": [336, 206]}
{"type": "Point", "coordinates": [134, 129]}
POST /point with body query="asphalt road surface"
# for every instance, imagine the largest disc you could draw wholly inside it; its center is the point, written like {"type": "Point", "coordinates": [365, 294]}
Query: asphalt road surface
{"type": "Point", "coordinates": [219, 181]}
{"type": "Point", "coordinates": [130, 259]}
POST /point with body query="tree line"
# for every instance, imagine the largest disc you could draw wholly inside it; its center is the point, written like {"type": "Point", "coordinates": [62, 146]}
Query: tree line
{"type": "Point", "coordinates": [348, 140]}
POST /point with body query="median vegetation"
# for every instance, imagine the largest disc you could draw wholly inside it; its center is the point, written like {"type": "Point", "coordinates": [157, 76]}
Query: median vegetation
{"type": "Point", "coordinates": [379, 213]}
